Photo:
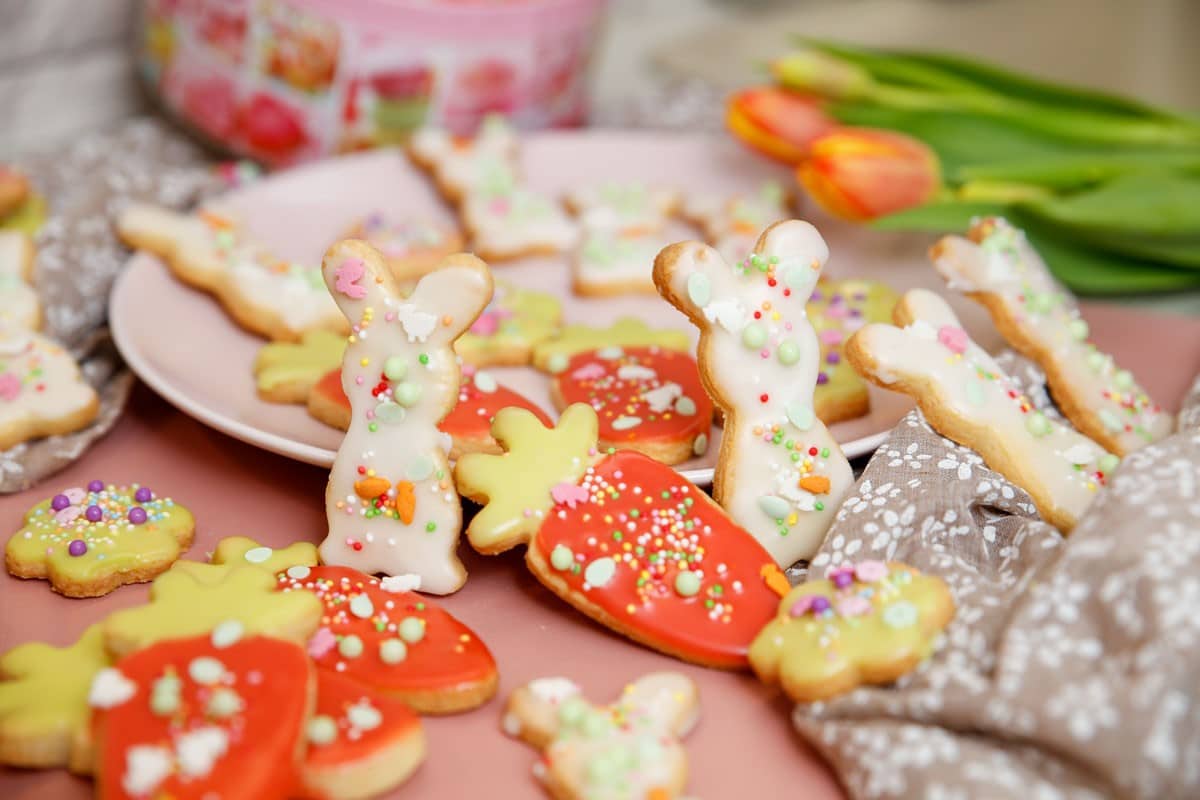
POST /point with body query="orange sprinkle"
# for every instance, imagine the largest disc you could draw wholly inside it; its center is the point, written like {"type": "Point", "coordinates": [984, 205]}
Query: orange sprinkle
{"type": "Point", "coordinates": [406, 501]}
{"type": "Point", "coordinates": [776, 581]}
{"type": "Point", "coordinates": [817, 484]}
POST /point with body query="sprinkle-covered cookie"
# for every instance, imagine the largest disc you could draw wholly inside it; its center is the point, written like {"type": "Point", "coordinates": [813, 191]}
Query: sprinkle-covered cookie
{"type": "Point", "coordinates": [732, 224]}
{"type": "Point", "coordinates": [623, 538]}
{"type": "Point", "coordinates": [836, 310]}
{"type": "Point", "coordinates": [629, 750]}
{"type": "Point", "coordinates": [997, 266]}
{"type": "Point", "coordinates": [412, 246]}
{"type": "Point", "coordinates": [508, 220]}
{"type": "Point", "coordinates": [42, 392]}
{"type": "Point", "coordinates": [219, 715]}
{"type": "Point", "coordinates": [263, 292]}
{"type": "Point", "coordinates": [388, 638]}
{"type": "Point", "coordinates": [868, 623]}
{"type": "Point", "coordinates": [360, 743]}
{"type": "Point", "coordinates": [648, 399]}
{"type": "Point", "coordinates": [613, 261]}
{"type": "Point", "coordinates": [88, 540]}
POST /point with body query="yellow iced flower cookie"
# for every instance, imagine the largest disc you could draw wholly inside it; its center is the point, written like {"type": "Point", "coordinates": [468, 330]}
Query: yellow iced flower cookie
{"type": "Point", "coordinates": [868, 623]}
{"type": "Point", "coordinates": [89, 540]}
{"type": "Point", "coordinates": [285, 372]}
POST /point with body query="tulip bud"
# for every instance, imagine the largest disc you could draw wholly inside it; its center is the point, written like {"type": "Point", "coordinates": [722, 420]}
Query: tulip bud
{"type": "Point", "coordinates": [825, 75]}
{"type": "Point", "coordinates": [863, 173]}
{"type": "Point", "coordinates": [777, 123]}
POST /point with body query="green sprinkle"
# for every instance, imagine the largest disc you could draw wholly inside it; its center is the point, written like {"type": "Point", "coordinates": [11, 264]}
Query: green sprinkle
{"type": "Point", "coordinates": [423, 358]}
{"type": "Point", "coordinates": [430, 527]}
{"type": "Point", "coordinates": [372, 427]}
{"type": "Point", "coordinates": [819, 506]}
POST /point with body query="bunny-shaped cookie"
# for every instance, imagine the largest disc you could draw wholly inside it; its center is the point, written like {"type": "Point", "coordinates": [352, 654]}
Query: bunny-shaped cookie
{"type": "Point", "coordinates": [996, 265]}
{"type": "Point", "coordinates": [967, 397]}
{"type": "Point", "coordinates": [42, 392]}
{"type": "Point", "coordinates": [628, 750]}
{"type": "Point", "coordinates": [209, 249]}
{"type": "Point", "coordinates": [780, 474]}
{"type": "Point", "coordinates": [391, 501]}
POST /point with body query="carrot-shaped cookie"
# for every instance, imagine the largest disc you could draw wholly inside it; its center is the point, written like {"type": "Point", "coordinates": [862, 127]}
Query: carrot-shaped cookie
{"type": "Point", "coordinates": [997, 266]}
{"type": "Point", "coordinates": [967, 397]}
{"type": "Point", "coordinates": [391, 502]}
{"type": "Point", "coordinates": [384, 636]}
{"type": "Point", "coordinates": [211, 716]}
{"type": "Point", "coordinates": [780, 474]}
{"type": "Point", "coordinates": [622, 537]}
{"type": "Point", "coordinates": [868, 623]}
{"type": "Point", "coordinates": [629, 750]}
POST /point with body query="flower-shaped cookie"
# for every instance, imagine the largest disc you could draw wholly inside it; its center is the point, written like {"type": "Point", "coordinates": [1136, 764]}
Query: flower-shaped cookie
{"type": "Point", "coordinates": [865, 623]}
{"type": "Point", "coordinates": [89, 540]}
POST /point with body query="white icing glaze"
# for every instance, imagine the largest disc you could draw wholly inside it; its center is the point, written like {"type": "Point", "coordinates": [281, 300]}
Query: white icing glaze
{"type": "Point", "coordinates": [110, 688]}
{"type": "Point", "coordinates": [607, 257]}
{"type": "Point", "coordinates": [1004, 265]}
{"type": "Point", "coordinates": [553, 690]}
{"type": "Point", "coordinates": [199, 749]}
{"type": "Point", "coordinates": [623, 750]}
{"type": "Point", "coordinates": [758, 480]}
{"type": "Point", "coordinates": [39, 381]}
{"type": "Point", "coordinates": [403, 407]}
{"type": "Point", "coordinates": [400, 583]}
{"type": "Point", "coordinates": [619, 205]}
{"type": "Point", "coordinates": [18, 301]}
{"type": "Point", "coordinates": [146, 766]}
{"type": "Point", "coordinates": [211, 248]}
{"type": "Point", "coordinates": [461, 165]}
{"type": "Point", "coordinates": [513, 220]}
{"type": "Point", "coordinates": [979, 396]}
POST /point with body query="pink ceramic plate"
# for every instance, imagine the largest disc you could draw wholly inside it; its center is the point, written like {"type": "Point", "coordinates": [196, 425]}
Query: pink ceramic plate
{"type": "Point", "coordinates": [180, 342]}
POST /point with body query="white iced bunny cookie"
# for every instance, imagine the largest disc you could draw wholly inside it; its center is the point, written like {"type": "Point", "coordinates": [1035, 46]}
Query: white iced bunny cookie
{"type": "Point", "coordinates": [18, 301]}
{"type": "Point", "coordinates": [265, 294]}
{"type": "Point", "coordinates": [997, 266]}
{"type": "Point", "coordinates": [780, 474]}
{"type": "Point", "coordinates": [508, 220]}
{"type": "Point", "coordinates": [629, 750]}
{"type": "Point", "coordinates": [967, 397]}
{"type": "Point", "coordinates": [732, 224]}
{"type": "Point", "coordinates": [391, 501]}
{"type": "Point", "coordinates": [623, 205]}
{"type": "Point", "coordinates": [42, 392]}
{"type": "Point", "coordinates": [460, 164]}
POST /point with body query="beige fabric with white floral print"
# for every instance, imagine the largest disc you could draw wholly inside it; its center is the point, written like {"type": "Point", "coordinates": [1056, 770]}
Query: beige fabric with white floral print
{"type": "Point", "coordinates": [1070, 668]}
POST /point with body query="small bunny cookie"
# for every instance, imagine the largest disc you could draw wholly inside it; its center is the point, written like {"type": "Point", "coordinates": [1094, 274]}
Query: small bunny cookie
{"type": "Point", "coordinates": [459, 164]}
{"type": "Point", "coordinates": [997, 266]}
{"type": "Point", "coordinates": [42, 392]}
{"type": "Point", "coordinates": [629, 750]}
{"type": "Point", "coordinates": [265, 294]}
{"type": "Point", "coordinates": [623, 206]}
{"type": "Point", "coordinates": [967, 397]}
{"type": "Point", "coordinates": [508, 220]}
{"type": "Point", "coordinates": [391, 502]}
{"type": "Point", "coordinates": [780, 474]}
{"type": "Point", "coordinates": [412, 246]}
{"type": "Point", "coordinates": [18, 301]}
{"type": "Point", "coordinates": [732, 224]}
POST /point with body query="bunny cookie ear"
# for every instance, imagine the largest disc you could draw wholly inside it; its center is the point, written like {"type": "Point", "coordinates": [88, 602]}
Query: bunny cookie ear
{"type": "Point", "coordinates": [358, 279]}
{"type": "Point", "coordinates": [454, 294]}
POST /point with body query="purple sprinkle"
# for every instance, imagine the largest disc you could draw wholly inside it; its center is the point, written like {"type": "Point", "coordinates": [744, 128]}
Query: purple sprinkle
{"type": "Point", "coordinates": [816, 295]}
{"type": "Point", "coordinates": [833, 358]}
{"type": "Point", "coordinates": [60, 502]}
{"type": "Point", "coordinates": [96, 486]}
{"type": "Point", "coordinates": [77, 547]}
{"type": "Point", "coordinates": [820, 604]}
{"type": "Point", "coordinates": [94, 514]}
{"type": "Point", "coordinates": [834, 299]}
{"type": "Point", "coordinates": [137, 515]}
{"type": "Point", "coordinates": [860, 296]}
{"type": "Point", "coordinates": [143, 495]}
{"type": "Point", "coordinates": [822, 378]}
{"type": "Point", "coordinates": [856, 312]}
{"type": "Point", "coordinates": [842, 580]}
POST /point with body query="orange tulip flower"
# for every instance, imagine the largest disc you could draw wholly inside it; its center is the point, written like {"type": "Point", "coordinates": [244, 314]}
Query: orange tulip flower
{"type": "Point", "coordinates": [862, 173]}
{"type": "Point", "coordinates": [777, 123]}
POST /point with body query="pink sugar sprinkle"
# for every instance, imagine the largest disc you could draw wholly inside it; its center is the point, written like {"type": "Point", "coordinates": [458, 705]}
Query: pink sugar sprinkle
{"type": "Point", "coordinates": [359, 380]}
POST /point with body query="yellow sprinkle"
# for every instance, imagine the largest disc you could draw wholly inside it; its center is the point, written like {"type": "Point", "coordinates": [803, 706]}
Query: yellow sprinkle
{"type": "Point", "coordinates": [365, 361]}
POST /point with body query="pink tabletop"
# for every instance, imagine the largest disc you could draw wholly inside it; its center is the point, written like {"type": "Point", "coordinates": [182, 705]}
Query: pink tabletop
{"type": "Point", "coordinates": [744, 745]}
